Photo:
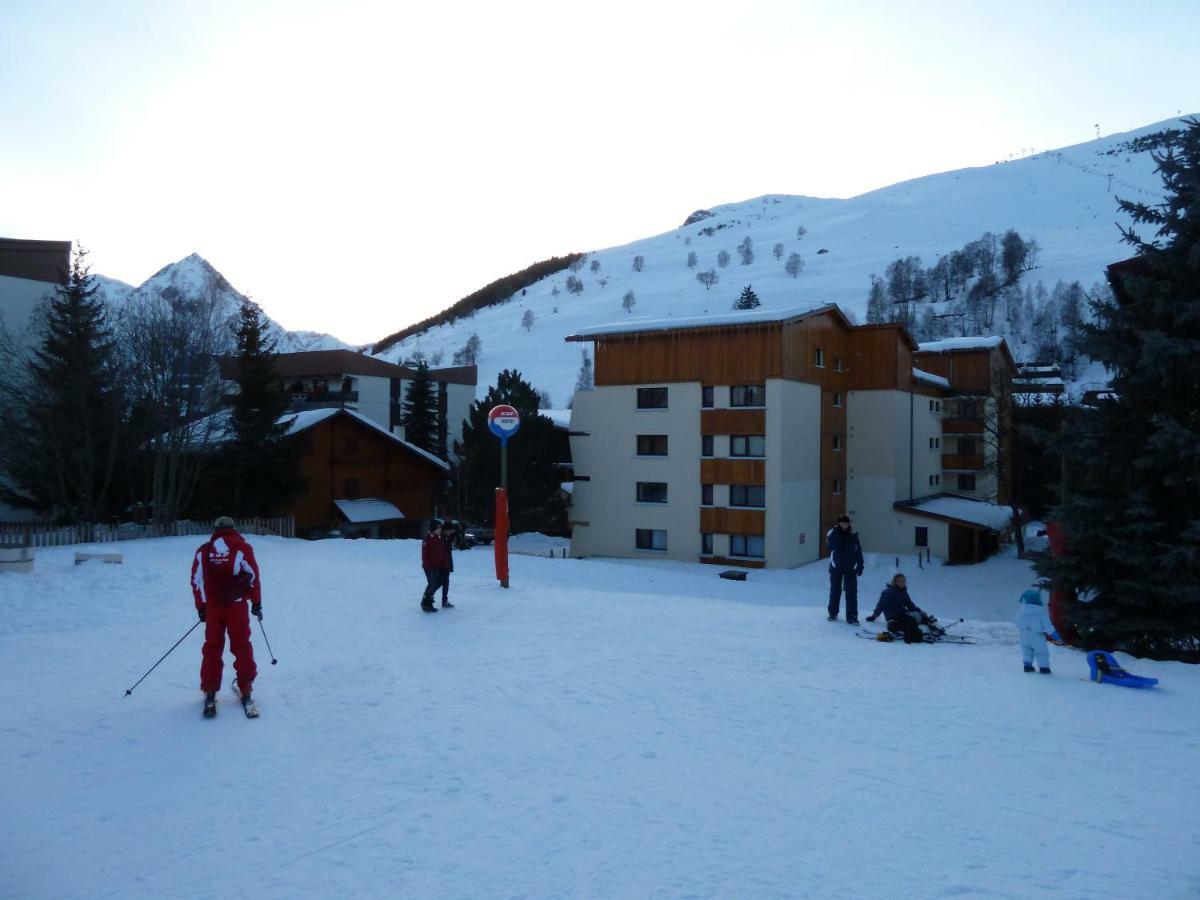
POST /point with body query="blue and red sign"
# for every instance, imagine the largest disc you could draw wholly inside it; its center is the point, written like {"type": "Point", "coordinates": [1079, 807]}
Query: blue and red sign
{"type": "Point", "coordinates": [503, 421]}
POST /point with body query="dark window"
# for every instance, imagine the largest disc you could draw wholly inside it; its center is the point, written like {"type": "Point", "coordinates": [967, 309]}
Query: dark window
{"type": "Point", "coordinates": [706, 495]}
{"type": "Point", "coordinates": [748, 395]}
{"type": "Point", "coordinates": [837, 398]}
{"type": "Point", "coordinates": [935, 480]}
{"type": "Point", "coordinates": [966, 446]}
{"type": "Point", "coordinates": [651, 445]}
{"type": "Point", "coordinates": [968, 409]}
{"type": "Point", "coordinates": [922, 536]}
{"type": "Point", "coordinates": [650, 539]}
{"type": "Point", "coordinates": [652, 492]}
{"type": "Point", "coordinates": [934, 443]}
{"type": "Point", "coordinates": [652, 398]}
{"type": "Point", "coordinates": [706, 544]}
{"type": "Point", "coordinates": [747, 495]}
{"type": "Point", "coordinates": [746, 545]}
{"type": "Point", "coordinates": [706, 445]}
{"type": "Point", "coordinates": [837, 486]}
{"type": "Point", "coordinates": [819, 358]}
{"type": "Point", "coordinates": [837, 442]}
{"type": "Point", "coordinates": [747, 445]}
{"type": "Point", "coordinates": [966, 482]}
{"type": "Point", "coordinates": [837, 364]}
{"type": "Point", "coordinates": [706, 397]}
{"type": "Point", "coordinates": [350, 488]}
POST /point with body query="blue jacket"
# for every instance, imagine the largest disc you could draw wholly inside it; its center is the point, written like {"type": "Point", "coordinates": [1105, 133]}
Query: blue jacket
{"type": "Point", "coordinates": [845, 551]}
{"type": "Point", "coordinates": [893, 603]}
{"type": "Point", "coordinates": [1032, 618]}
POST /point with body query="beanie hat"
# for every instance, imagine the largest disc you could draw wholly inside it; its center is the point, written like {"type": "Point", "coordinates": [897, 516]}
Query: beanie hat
{"type": "Point", "coordinates": [1032, 596]}
{"type": "Point", "coordinates": [223, 522]}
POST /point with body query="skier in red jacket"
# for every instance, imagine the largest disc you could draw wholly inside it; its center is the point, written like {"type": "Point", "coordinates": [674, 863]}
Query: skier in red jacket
{"type": "Point", "coordinates": [224, 576]}
{"type": "Point", "coordinates": [435, 559]}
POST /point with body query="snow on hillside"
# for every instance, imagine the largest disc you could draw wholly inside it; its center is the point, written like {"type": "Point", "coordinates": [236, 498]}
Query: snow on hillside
{"type": "Point", "coordinates": [193, 278]}
{"type": "Point", "coordinates": [1065, 199]}
{"type": "Point", "coordinates": [604, 728]}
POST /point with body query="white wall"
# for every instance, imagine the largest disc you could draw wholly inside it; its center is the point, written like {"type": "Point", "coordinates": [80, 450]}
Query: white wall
{"type": "Point", "coordinates": [608, 456]}
{"type": "Point", "coordinates": [18, 298]}
{"type": "Point", "coordinates": [374, 398]}
{"type": "Point", "coordinates": [793, 473]}
{"type": "Point", "coordinates": [459, 398]}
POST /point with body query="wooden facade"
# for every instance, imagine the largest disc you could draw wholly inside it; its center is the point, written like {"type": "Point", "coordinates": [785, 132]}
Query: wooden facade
{"type": "Point", "coordinates": [733, 421]}
{"type": "Point", "coordinates": [728, 520]}
{"type": "Point", "coordinates": [733, 471]}
{"type": "Point", "coordinates": [344, 458]}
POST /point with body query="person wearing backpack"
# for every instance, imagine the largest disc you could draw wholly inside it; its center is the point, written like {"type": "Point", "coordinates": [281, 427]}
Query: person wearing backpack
{"type": "Point", "coordinates": [224, 577]}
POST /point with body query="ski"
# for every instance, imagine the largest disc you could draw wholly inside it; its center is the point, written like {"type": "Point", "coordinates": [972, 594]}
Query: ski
{"type": "Point", "coordinates": [249, 707]}
{"type": "Point", "coordinates": [942, 639]}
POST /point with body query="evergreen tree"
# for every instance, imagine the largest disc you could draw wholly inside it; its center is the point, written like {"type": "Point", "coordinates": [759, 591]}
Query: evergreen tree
{"type": "Point", "coordinates": [262, 464]}
{"type": "Point", "coordinates": [58, 445]}
{"type": "Point", "coordinates": [535, 455]}
{"type": "Point", "coordinates": [419, 414]}
{"type": "Point", "coordinates": [1131, 514]}
{"type": "Point", "coordinates": [748, 299]}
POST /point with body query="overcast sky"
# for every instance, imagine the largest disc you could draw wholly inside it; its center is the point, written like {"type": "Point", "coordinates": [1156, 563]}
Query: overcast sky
{"type": "Point", "coordinates": [357, 166]}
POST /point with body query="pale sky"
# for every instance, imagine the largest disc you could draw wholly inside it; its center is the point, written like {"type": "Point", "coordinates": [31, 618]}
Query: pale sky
{"type": "Point", "coordinates": [357, 166]}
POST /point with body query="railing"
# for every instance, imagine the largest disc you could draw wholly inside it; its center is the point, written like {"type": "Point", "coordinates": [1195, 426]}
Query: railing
{"type": "Point", "coordinates": [39, 535]}
{"type": "Point", "coordinates": [962, 426]}
{"type": "Point", "coordinates": [971, 462]}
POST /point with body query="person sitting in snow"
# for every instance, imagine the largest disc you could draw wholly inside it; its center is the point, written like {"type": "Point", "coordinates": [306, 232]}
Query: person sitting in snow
{"type": "Point", "coordinates": [902, 615]}
{"type": "Point", "coordinates": [1036, 628]}
{"type": "Point", "coordinates": [224, 576]}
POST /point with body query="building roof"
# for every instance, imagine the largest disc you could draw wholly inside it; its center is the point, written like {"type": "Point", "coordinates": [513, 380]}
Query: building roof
{"type": "Point", "coordinates": [952, 345]}
{"type": "Point", "coordinates": [48, 261]}
{"type": "Point", "coordinates": [975, 513]}
{"type": "Point", "coordinates": [930, 378]}
{"type": "Point", "coordinates": [309, 363]}
{"type": "Point", "coordinates": [371, 509]}
{"type": "Point", "coordinates": [456, 375]}
{"type": "Point", "coordinates": [736, 319]}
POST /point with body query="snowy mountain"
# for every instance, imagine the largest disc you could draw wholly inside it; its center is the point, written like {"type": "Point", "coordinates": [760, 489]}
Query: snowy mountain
{"type": "Point", "coordinates": [1064, 199]}
{"type": "Point", "coordinates": [193, 278]}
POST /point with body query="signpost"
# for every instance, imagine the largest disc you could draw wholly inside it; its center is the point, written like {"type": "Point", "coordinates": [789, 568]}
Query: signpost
{"type": "Point", "coordinates": [503, 422]}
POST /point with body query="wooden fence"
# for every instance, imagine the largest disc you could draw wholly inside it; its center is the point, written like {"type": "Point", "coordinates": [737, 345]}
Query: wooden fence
{"type": "Point", "coordinates": [33, 534]}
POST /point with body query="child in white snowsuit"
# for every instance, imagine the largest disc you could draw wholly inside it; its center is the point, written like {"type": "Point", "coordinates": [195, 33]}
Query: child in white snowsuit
{"type": "Point", "coordinates": [1035, 626]}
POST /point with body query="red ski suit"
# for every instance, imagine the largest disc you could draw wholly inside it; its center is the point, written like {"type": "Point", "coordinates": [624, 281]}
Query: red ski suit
{"type": "Point", "coordinates": [224, 576]}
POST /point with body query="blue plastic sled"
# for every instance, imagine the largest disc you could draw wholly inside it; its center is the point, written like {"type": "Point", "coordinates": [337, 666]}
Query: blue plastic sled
{"type": "Point", "coordinates": [1106, 670]}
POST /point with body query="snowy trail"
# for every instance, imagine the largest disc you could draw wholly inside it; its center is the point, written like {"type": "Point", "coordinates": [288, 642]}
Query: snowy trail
{"type": "Point", "coordinates": [602, 729]}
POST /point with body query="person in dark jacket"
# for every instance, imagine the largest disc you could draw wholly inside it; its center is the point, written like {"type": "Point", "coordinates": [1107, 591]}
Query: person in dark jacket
{"type": "Point", "coordinates": [902, 615]}
{"type": "Point", "coordinates": [450, 534]}
{"type": "Point", "coordinates": [434, 556]}
{"type": "Point", "coordinates": [845, 565]}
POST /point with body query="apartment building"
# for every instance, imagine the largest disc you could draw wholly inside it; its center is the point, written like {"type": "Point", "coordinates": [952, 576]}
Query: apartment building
{"type": "Point", "coordinates": [29, 273]}
{"type": "Point", "coordinates": [739, 439]}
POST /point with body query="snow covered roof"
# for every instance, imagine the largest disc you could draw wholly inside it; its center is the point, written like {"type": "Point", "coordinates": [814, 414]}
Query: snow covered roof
{"type": "Point", "coordinates": [930, 378]}
{"type": "Point", "coordinates": [373, 509]}
{"type": "Point", "coordinates": [949, 345]}
{"type": "Point", "coordinates": [722, 320]}
{"type": "Point", "coordinates": [975, 512]}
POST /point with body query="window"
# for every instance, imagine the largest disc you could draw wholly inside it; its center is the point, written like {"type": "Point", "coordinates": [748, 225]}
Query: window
{"type": "Point", "coordinates": [706, 544]}
{"type": "Point", "coordinates": [746, 545]}
{"type": "Point", "coordinates": [935, 480]}
{"type": "Point", "coordinates": [652, 398]}
{"type": "Point", "coordinates": [350, 488]}
{"type": "Point", "coordinates": [934, 406]}
{"type": "Point", "coordinates": [706, 397]}
{"type": "Point", "coordinates": [819, 358]}
{"type": "Point", "coordinates": [966, 482]}
{"type": "Point", "coordinates": [706, 495]}
{"type": "Point", "coordinates": [651, 492]}
{"type": "Point", "coordinates": [747, 445]}
{"type": "Point", "coordinates": [651, 445]}
{"type": "Point", "coordinates": [837, 364]}
{"type": "Point", "coordinates": [837, 442]}
{"type": "Point", "coordinates": [706, 445]}
{"type": "Point", "coordinates": [922, 536]}
{"type": "Point", "coordinates": [747, 495]}
{"type": "Point", "coordinates": [968, 409]}
{"type": "Point", "coordinates": [935, 443]}
{"type": "Point", "coordinates": [748, 395]}
{"type": "Point", "coordinates": [650, 539]}
{"type": "Point", "coordinates": [837, 485]}
{"type": "Point", "coordinates": [837, 398]}
{"type": "Point", "coordinates": [966, 446]}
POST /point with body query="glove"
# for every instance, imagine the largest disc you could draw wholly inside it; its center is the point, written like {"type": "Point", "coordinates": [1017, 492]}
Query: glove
{"type": "Point", "coordinates": [1053, 638]}
{"type": "Point", "coordinates": [871, 618]}
{"type": "Point", "coordinates": [858, 571]}
{"type": "Point", "coordinates": [931, 619]}
{"type": "Point", "coordinates": [200, 613]}
{"type": "Point", "coordinates": [256, 609]}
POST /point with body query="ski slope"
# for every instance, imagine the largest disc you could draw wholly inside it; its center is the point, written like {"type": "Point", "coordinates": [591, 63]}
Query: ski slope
{"type": "Point", "coordinates": [602, 729]}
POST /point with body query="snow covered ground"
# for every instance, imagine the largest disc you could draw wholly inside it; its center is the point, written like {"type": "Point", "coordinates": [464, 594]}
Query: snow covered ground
{"type": "Point", "coordinates": [602, 729]}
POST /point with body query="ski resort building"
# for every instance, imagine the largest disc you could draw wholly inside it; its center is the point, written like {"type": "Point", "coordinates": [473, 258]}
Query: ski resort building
{"type": "Point", "coordinates": [740, 439]}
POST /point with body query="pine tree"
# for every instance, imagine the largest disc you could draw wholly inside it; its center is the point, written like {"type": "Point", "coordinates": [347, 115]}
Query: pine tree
{"type": "Point", "coordinates": [1131, 511]}
{"type": "Point", "coordinates": [263, 464]}
{"type": "Point", "coordinates": [419, 414]}
{"type": "Point", "coordinates": [748, 299]}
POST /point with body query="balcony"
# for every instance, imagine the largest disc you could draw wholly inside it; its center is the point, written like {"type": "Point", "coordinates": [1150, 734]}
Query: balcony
{"type": "Point", "coordinates": [962, 426]}
{"type": "Point", "coordinates": [962, 462]}
{"type": "Point", "coordinates": [324, 400]}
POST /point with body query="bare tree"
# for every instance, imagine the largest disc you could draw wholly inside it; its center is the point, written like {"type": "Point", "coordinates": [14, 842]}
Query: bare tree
{"type": "Point", "coordinates": [527, 320]}
{"type": "Point", "coordinates": [638, 263]}
{"type": "Point", "coordinates": [777, 251]}
{"type": "Point", "coordinates": [708, 278]}
{"type": "Point", "coordinates": [628, 301]}
{"type": "Point", "coordinates": [746, 250]}
{"type": "Point", "coordinates": [794, 265]}
{"type": "Point", "coordinates": [691, 259]}
{"type": "Point", "coordinates": [723, 258]}
{"type": "Point", "coordinates": [469, 354]}
{"type": "Point", "coordinates": [801, 232]}
{"type": "Point", "coordinates": [594, 266]}
{"type": "Point", "coordinates": [574, 285]}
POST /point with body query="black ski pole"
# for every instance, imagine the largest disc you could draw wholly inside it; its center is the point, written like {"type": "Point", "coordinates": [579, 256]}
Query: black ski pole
{"type": "Point", "coordinates": [269, 650]}
{"type": "Point", "coordinates": [164, 656]}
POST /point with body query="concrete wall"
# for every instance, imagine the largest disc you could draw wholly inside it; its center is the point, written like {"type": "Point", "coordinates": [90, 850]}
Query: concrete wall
{"type": "Point", "coordinates": [459, 398]}
{"type": "Point", "coordinates": [608, 456]}
{"type": "Point", "coordinates": [18, 298]}
{"type": "Point", "coordinates": [374, 398]}
{"type": "Point", "coordinates": [793, 473]}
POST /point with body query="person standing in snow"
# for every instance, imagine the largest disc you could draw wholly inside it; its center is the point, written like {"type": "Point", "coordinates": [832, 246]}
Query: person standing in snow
{"type": "Point", "coordinates": [1036, 628]}
{"type": "Point", "coordinates": [434, 559]}
{"type": "Point", "coordinates": [845, 565]}
{"type": "Point", "coordinates": [224, 576]}
{"type": "Point", "coordinates": [450, 536]}
{"type": "Point", "coordinates": [902, 615]}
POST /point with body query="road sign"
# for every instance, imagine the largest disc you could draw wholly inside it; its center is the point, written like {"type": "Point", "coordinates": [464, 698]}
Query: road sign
{"type": "Point", "coordinates": [503, 421]}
